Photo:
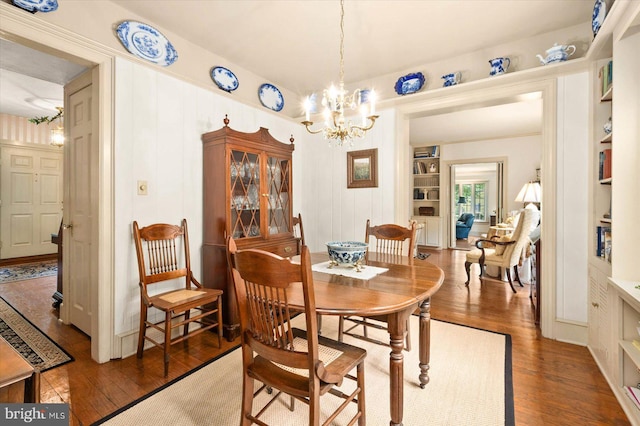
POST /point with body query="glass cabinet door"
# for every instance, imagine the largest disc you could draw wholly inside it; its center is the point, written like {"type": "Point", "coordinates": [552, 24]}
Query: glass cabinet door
{"type": "Point", "coordinates": [244, 171]}
{"type": "Point", "coordinates": [279, 193]}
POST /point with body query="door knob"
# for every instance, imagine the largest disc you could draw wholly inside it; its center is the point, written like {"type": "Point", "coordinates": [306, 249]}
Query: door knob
{"type": "Point", "coordinates": [67, 226]}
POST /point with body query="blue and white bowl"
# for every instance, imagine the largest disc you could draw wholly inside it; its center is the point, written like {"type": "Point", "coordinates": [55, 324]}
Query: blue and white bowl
{"type": "Point", "coordinates": [347, 252]}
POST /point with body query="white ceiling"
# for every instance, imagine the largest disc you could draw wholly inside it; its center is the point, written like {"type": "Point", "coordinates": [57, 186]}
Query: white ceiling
{"type": "Point", "coordinates": [294, 44]}
{"type": "Point", "coordinates": [31, 82]}
{"type": "Point", "coordinates": [507, 120]}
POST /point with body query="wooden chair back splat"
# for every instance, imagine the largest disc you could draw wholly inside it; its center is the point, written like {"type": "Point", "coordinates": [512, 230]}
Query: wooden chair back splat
{"type": "Point", "coordinates": [163, 255]}
{"type": "Point", "coordinates": [297, 223]}
{"type": "Point", "coordinates": [391, 240]}
{"type": "Point", "coordinates": [275, 353]}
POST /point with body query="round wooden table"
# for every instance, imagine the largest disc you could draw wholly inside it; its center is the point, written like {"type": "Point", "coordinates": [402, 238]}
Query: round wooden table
{"type": "Point", "coordinates": [408, 284]}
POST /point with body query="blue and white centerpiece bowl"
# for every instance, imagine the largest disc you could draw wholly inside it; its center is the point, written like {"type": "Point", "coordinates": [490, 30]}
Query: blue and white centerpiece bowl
{"type": "Point", "coordinates": [347, 253]}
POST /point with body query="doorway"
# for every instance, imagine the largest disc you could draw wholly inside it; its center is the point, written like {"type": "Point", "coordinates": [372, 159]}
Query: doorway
{"type": "Point", "coordinates": [21, 30]}
{"type": "Point", "coordinates": [31, 194]}
{"type": "Point", "coordinates": [478, 194]}
{"type": "Point", "coordinates": [469, 99]}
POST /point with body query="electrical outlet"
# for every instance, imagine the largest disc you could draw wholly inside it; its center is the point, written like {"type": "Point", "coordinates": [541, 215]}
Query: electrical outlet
{"type": "Point", "coordinates": [142, 187]}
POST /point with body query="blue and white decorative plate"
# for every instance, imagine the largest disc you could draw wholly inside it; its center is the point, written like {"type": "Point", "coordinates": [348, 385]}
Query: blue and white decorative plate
{"type": "Point", "coordinates": [224, 78]}
{"type": "Point", "coordinates": [146, 42]}
{"type": "Point", "coordinates": [271, 97]}
{"type": "Point", "coordinates": [37, 5]}
{"type": "Point", "coordinates": [599, 13]}
{"type": "Point", "coordinates": [410, 83]}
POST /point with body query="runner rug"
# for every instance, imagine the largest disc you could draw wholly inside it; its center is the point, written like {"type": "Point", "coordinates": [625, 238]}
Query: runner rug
{"type": "Point", "coordinates": [470, 384]}
{"type": "Point", "coordinates": [34, 346]}
{"type": "Point", "coordinates": [28, 271]}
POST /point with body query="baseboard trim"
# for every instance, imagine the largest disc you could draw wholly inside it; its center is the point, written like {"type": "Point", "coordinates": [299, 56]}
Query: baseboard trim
{"type": "Point", "coordinates": [571, 332]}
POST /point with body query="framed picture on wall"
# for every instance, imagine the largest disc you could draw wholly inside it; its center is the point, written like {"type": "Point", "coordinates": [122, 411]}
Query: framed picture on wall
{"type": "Point", "coordinates": [362, 168]}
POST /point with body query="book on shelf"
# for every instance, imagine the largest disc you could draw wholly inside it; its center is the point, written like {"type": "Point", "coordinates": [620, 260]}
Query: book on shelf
{"type": "Point", "coordinates": [426, 152]}
{"type": "Point", "coordinates": [634, 395]}
{"type": "Point", "coordinates": [419, 168]}
{"type": "Point", "coordinates": [603, 237]}
{"type": "Point", "coordinates": [604, 164]}
{"type": "Point", "coordinates": [606, 75]}
{"type": "Point", "coordinates": [607, 244]}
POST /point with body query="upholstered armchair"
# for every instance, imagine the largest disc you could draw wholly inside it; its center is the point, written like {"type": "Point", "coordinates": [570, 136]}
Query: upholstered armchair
{"type": "Point", "coordinates": [463, 225]}
{"type": "Point", "coordinates": [507, 251]}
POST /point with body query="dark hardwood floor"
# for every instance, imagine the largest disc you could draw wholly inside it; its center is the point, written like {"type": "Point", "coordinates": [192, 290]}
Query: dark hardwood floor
{"type": "Point", "coordinates": [554, 383]}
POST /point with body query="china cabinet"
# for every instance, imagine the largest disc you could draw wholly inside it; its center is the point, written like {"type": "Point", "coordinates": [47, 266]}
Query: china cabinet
{"type": "Point", "coordinates": [247, 195]}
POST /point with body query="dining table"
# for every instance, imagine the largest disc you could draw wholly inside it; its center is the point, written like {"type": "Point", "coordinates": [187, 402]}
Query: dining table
{"type": "Point", "coordinates": [404, 286]}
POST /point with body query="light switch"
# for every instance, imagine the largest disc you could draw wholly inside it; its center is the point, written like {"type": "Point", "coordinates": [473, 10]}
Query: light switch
{"type": "Point", "coordinates": [142, 187]}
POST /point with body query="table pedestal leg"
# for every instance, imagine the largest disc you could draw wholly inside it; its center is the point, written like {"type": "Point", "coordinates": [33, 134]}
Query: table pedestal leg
{"type": "Point", "coordinates": [425, 341]}
{"type": "Point", "coordinates": [397, 326]}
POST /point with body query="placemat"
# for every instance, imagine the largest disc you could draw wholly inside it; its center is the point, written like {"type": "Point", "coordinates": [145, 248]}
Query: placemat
{"type": "Point", "coordinates": [366, 272]}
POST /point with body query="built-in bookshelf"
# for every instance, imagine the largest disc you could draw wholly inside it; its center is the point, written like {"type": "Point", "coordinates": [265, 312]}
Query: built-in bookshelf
{"type": "Point", "coordinates": [426, 194]}
{"type": "Point", "coordinates": [614, 279]}
{"type": "Point", "coordinates": [604, 132]}
{"type": "Point", "coordinates": [426, 180]}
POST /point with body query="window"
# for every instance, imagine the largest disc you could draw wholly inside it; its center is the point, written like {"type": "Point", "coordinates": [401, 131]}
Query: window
{"type": "Point", "coordinates": [471, 197]}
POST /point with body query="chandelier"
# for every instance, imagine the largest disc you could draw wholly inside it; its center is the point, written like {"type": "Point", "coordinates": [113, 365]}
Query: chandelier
{"type": "Point", "coordinates": [336, 100]}
{"type": "Point", "coordinates": [57, 134]}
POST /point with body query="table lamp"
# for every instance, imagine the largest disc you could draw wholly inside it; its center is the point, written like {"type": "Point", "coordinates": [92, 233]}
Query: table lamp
{"type": "Point", "coordinates": [530, 193]}
{"type": "Point", "coordinates": [461, 200]}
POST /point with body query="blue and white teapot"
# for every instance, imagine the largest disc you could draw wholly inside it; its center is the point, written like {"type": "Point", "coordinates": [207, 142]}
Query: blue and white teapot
{"type": "Point", "coordinates": [499, 65]}
{"type": "Point", "coordinates": [557, 53]}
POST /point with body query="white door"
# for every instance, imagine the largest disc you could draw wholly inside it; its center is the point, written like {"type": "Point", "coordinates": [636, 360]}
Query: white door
{"type": "Point", "coordinates": [31, 194]}
{"type": "Point", "coordinates": [79, 260]}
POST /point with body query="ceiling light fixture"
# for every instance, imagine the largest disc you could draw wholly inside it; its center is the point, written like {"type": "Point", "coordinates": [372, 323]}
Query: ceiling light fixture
{"type": "Point", "coordinates": [335, 100]}
{"type": "Point", "coordinates": [57, 134]}
{"type": "Point", "coordinates": [56, 137]}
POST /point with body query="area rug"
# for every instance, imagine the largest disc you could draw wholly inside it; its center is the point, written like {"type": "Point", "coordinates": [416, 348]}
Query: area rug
{"type": "Point", "coordinates": [34, 346]}
{"type": "Point", "coordinates": [470, 384]}
{"type": "Point", "coordinates": [28, 271]}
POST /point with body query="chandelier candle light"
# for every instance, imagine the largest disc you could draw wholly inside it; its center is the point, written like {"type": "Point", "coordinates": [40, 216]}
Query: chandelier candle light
{"type": "Point", "coordinates": [57, 134]}
{"type": "Point", "coordinates": [335, 100]}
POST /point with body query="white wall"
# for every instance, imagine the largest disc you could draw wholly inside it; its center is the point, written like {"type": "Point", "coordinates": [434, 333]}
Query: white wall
{"type": "Point", "coordinates": [331, 211]}
{"type": "Point", "coordinates": [159, 123]}
{"type": "Point", "coordinates": [523, 156]}
{"type": "Point", "coordinates": [20, 130]}
{"type": "Point", "coordinates": [572, 199]}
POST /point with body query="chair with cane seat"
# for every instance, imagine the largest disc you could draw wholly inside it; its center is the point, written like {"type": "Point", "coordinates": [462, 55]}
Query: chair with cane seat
{"type": "Point", "coordinates": [278, 355]}
{"type": "Point", "coordinates": [390, 239]}
{"type": "Point", "coordinates": [163, 255]}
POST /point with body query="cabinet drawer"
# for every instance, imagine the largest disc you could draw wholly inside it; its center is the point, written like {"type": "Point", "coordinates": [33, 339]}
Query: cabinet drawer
{"type": "Point", "coordinates": [284, 249]}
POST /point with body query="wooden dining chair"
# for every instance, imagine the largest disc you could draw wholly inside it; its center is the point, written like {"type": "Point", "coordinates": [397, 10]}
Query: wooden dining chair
{"type": "Point", "coordinates": [397, 242]}
{"type": "Point", "coordinates": [163, 255]}
{"type": "Point", "coordinates": [290, 360]}
{"type": "Point", "coordinates": [298, 228]}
